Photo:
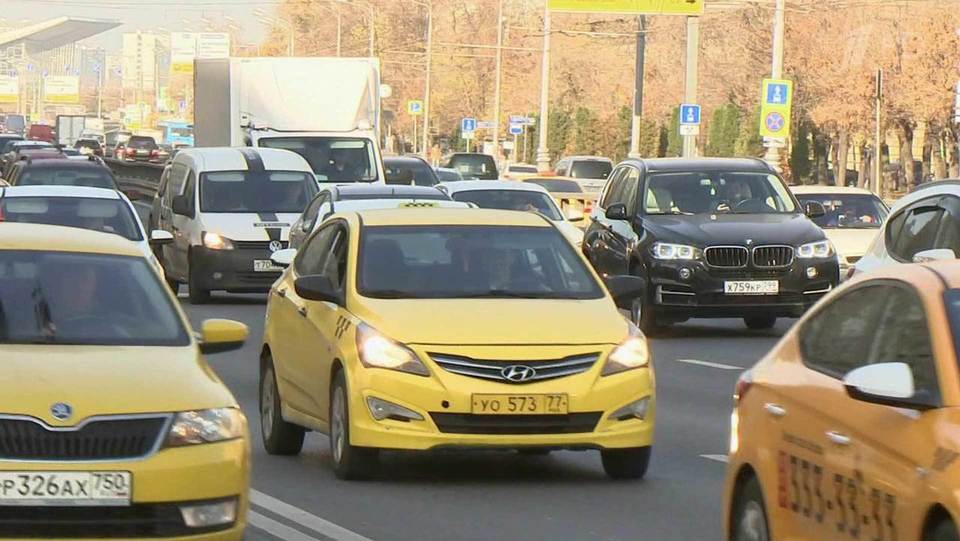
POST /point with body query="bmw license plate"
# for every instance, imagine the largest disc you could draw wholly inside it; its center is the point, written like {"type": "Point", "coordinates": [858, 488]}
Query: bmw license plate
{"type": "Point", "coordinates": [751, 287]}
{"type": "Point", "coordinates": [265, 265]}
{"type": "Point", "coordinates": [519, 404]}
{"type": "Point", "coordinates": [63, 489]}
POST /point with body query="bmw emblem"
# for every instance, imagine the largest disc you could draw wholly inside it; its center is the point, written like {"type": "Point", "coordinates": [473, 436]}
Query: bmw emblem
{"type": "Point", "coordinates": [61, 411]}
{"type": "Point", "coordinates": [275, 245]}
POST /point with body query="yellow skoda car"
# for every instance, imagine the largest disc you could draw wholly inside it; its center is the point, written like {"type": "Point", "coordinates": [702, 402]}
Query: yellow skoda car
{"type": "Point", "coordinates": [111, 423]}
{"type": "Point", "coordinates": [850, 427]}
{"type": "Point", "coordinates": [465, 328]}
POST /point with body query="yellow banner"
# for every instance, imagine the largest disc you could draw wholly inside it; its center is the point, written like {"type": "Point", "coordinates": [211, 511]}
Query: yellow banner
{"type": "Point", "coordinates": [9, 98]}
{"type": "Point", "coordinates": [653, 7]}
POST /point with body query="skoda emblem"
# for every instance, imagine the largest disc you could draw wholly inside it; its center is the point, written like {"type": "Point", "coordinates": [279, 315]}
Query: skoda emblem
{"type": "Point", "coordinates": [275, 245]}
{"type": "Point", "coordinates": [61, 411]}
{"type": "Point", "coordinates": [517, 373]}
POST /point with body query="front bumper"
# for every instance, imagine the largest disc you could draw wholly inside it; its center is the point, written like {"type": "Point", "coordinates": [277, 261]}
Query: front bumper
{"type": "Point", "coordinates": [702, 294]}
{"type": "Point", "coordinates": [232, 270]}
{"type": "Point", "coordinates": [161, 484]}
{"type": "Point", "coordinates": [444, 401]}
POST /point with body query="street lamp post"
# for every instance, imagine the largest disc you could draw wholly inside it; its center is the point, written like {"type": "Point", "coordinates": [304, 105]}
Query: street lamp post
{"type": "Point", "coordinates": [426, 90]}
{"type": "Point", "coordinates": [543, 153]}
{"type": "Point", "coordinates": [772, 155]}
{"type": "Point", "coordinates": [496, 90]}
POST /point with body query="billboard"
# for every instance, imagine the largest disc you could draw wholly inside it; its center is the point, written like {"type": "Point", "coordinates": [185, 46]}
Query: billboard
{"type": "Point", "coordinates": [61, 89]}
{"type": "Point", "coordinates": [183, 49]}
{"type": "Point", "coordinates": [9, 89]}
{"type": "Point", "coordinates": [675, 7]}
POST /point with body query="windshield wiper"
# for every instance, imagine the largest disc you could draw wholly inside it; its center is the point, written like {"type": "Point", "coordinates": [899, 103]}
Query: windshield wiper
{"type": "Point", "coordinates": [504, 293]}
{"type": "Point", "coordinates": [389, 294]}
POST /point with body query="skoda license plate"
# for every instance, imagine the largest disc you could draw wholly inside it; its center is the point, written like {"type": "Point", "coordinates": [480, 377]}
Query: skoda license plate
{"type": "Point", "coordinates": [74, 488]}
{"type": "Point", "coordinates": [751, 287]}
{"type": "Point", "coordinates": [265, 265]}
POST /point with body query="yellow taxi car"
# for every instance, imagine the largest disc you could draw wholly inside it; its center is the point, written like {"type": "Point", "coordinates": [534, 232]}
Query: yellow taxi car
{"type": "Point", "coordinates": [460, 328]}
{"type": "Point", "coordinates": [850, 427]}
{"type": "Point", "coordinates": [111, 423]}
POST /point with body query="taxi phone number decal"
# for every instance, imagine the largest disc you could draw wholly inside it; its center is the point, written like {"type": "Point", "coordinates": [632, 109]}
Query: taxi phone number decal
{"type": "Point", "coordinates": [806, 489]}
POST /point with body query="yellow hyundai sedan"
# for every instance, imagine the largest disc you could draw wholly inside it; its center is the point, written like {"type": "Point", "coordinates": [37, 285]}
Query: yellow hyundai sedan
{"type": "Point", "coordinates": [111, 423]}
{"type": "Point", "coordinates": [452, 328]}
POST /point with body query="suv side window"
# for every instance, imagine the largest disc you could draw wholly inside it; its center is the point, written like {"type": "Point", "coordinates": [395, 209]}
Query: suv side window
{"type": "Point", "coordinates": [313, 212]}
{"type": "Point", "coordinates": [630, 188]}
{"type": "Point", "coordinates": [839, 337]}
{"type": "Point", "coordinates": [175, 183]}
{"type": "Point", "coordinates": [562, 168]}
{"type": "Point", "coordinates": [613, 189]}
{"type": "Point", "coordinates": [918, 231]}
{"type": "Point", "coordinates": [948, 234]}
{"type": "Point", "coordinates": [311, 257]}
{"type": "Point", "coordinates": [190, 189]}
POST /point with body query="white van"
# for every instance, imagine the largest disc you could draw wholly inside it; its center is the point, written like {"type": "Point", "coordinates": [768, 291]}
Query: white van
{"type": "Point", "coordinates": [228, 210]}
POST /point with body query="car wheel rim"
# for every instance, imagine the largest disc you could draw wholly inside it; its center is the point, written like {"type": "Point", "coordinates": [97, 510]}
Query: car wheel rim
{"type": "Point", "coordinates": [266, 403]}
{"type": "Point", "coordinates": [753, 523]}
{"type": "Point", "coordinates": [337, 430]}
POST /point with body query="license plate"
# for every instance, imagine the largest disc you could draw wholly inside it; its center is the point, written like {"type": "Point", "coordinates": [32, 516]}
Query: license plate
{"type": "Point", "coordinates": [265, 265]}
{"type": "Point", "coordinates": [109, 488]}
{"type": "Point", "coordinates": [519, 404]}
{"type": "Point", "coordinates": [751, 287]}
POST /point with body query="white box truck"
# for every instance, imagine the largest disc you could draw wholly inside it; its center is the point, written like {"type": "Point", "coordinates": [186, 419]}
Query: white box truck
{"type": "Point", "coordinates": [325, 109]}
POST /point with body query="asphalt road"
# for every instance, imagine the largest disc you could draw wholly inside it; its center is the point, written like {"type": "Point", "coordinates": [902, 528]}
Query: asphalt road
{"type": "Point", "coordinates": [501, 495]}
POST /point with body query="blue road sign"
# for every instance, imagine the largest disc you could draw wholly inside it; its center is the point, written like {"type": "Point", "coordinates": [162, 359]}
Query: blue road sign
{"type": "Point", "coordinates": [775, 122]}
{"type": "Point", "coordinates": [468, 124]}
{"type": "Point", "coordinates": [516, 129]}
{"type": "Point", "coordinates": [690, 114]}
{"type": "Point", "coordinates": [777, 94]}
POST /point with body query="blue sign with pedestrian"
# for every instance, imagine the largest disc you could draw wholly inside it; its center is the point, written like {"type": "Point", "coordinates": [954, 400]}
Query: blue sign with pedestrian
{"type": "Point", "coordinates": [468, 124]}
{"type": "Point", "coordinates": [777, 94]}
{"type": "Point", "coordinates": [516, 129]}
{"type": "Point", "coordinates": [690, 114]}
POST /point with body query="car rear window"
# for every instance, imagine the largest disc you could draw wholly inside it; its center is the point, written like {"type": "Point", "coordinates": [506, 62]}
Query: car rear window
{"type": "Point", "coordinates": [480, 166]}
{"type": "Point", "coordinates": [95, 214]}
{"type": "Point", "coordinates": [92, 177]}
{"type": "Point", "coordinates": [590, 169]}
{"type": "Point", "coordinates": [138, 141]}
{"type": "Point", "coordinates": [522, 200]}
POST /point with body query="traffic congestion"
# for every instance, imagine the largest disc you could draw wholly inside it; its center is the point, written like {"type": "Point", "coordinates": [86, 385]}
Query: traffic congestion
{"type": "Point", "coordinates": [264, 307]}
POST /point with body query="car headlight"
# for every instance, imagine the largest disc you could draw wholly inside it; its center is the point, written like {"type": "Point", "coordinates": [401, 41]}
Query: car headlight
{"type": "Point", "coordinates": [377, 351]}
{"type": "Point", "coordinates": [631, 353]}
{"type": "Point", "coordinates": [666, 250]}
{"type": "Point", "coordinates": [205, 426]}
{"type": "Point", "coordinates": [819, 249]}
{"type": "Point", "coordinates": [216, 242]}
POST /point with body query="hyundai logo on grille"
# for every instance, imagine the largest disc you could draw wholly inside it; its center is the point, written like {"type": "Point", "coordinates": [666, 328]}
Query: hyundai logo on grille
{"type": "Point", "coordinates": [518, 373]}
{"type": "Point", "coordinates": [61, 411]}
{"type": "Point", "coordinates": [275, 245]}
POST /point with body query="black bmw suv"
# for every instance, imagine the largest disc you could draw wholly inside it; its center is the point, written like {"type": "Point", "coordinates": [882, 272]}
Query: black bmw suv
{"type": "Point", "coordinates": [714, 238]}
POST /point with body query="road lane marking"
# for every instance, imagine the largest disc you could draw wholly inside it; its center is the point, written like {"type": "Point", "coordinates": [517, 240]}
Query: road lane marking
{"type": "Point", "coordinates": [276, 529]}
{"type": "Point", "coordinates": [709, 364]}
{"type": "Point", "coordinates": [303, 518]}
{"type": "Point", "coordinates": [717, 458]}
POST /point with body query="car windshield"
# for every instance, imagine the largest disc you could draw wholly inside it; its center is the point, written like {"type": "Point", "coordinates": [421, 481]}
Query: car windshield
{"type": "Point", "coordinates": [96, 214]}
{"type": "Point", "coordinates": [847, 211]}
{"type": "Point", "coordinates": [557, 185]}
{"type": "Point", "coordinates": [710, 192]}
{"type": "Point", "coordinates": [333, 159]}
{"type": "Point", "coordinates": [590, 169]}
{"type": "Point", "coordinates": [75, 298]}
{"type": "Point", "coordinates": [144, 143]}
{"type": "Point", "coordinates": [246, 191]}
{"type": "Point", "coordinates": [93, 177]}
{"type": "Point", "coordinates": [440, 261]}
{"type": "Point", "coordinates": [480, 166]}
{"type": "Point", "coordinates": [511, 200]}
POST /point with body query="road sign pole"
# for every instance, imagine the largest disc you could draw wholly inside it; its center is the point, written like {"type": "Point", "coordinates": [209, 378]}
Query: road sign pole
{"type": "Point", "coordinates": [878, 144]}
{"type": "Point", "coordinates": [772, 155]}
{"type": "Point", "coordinates": [414, 135]}
{"type": "Point", "coordinates": [543, 153]}
{"type": "Point", "coordinates": [691, 78]}
{"type": "Point", "coordinates": [638, 88]}
{"type": "Point", "coordinates": [496, 90]}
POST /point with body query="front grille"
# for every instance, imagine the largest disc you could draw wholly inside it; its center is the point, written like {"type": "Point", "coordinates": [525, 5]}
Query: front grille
{"type": "Point", "coordinates": [140, 520]}
{"type": "Point", "coordinates": [726, 256]}
{"type": "Point", "coordinates": [492, 369]}
{"type": "Point", "coordinates": [773, 256]}
{"type": "Point", "coordinates": [105, 439]}
{"type": "Point", "coordinates": [255, 244]}
{"type": "Point", "coordinates": [466, 423]}
{"type": "Point", "coordinates": [720, 299]}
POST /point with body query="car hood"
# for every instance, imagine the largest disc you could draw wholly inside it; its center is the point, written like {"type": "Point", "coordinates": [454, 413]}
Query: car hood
{"type": "Point", "coordinates": [718, 229]}
{"type": "Point", "coordinates": [496, 321]}
{"type": "Point", "coordinates": [249, 226]}
{"type": "Point", "coordinates": [851, 242]}
{"type": "Point", "coordinates": [107, 380]}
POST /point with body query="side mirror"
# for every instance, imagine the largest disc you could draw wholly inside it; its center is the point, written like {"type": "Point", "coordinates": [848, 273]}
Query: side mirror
{"type": "Point", "coordinates": [317, 288]}
{"type": "Point", "coordinates": [182, 206]}
{"type": "Point", "coordinates": [936, 254]}
{"type": "Point", "coordinates": [888, 384]}
{"type": "Point", "coordinates": [625, 288]}
{"type": "Point", "coordinates": [159, 237]}
{"type": "Point", "coordinates": [283, 258]}
{"type": "Point", "coordinates": [616, 211]}
{"type": "Point", "coordinates": [814, 209]}
{"type": "Point", "coordinates": [220, 335]}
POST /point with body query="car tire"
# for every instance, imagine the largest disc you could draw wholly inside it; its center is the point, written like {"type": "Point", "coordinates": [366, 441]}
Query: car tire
{"type": "Point", "coordinates": [630, 463]}
{"type": "Point", "coordinates": [749, 519]}
{"type": "Point", "coordinates": [197, 294]}
{"type": "Point", "coordinates": [946, 530]}
{"type": "Point", "coordinates": [279, 436]}
{"type": "Point", "coordinates": [349, 462]}
{"type": "Point", "coordinates": [760, 323]}
{"type": "Point", "coordinates": [643, 316]}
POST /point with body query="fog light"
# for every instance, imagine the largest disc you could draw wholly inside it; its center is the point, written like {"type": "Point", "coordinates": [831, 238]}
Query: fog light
{"type": "Point", "coordinates": [811, 272]}
{"type": "Point", "coordinates": [633, 410]}
{"type": "Point", "coordinates": [685, 273]}
{"type": "Point", "coordinates": [209, 514]}
{"type": "Point", "coordinates": [381, 409]}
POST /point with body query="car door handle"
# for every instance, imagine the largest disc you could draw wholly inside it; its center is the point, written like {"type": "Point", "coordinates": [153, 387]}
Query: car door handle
{"type": "Point", "coordinates": [775, 409]}
{"type": "Point", "coordinates": [282, 293]}
{"type": "Point", "coordinates": [302, 311]}
{"type": "Point", "coordinates": [838, 438]}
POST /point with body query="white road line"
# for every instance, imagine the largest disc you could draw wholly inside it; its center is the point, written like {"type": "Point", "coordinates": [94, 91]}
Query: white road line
{"type": "Point", "coordinates": [303, 518]}
{"type": "Point", "coordinates": [718, 458]}
{"type": "Point", "coordinates": [276, 529]}
{"type": "Point", "coordinates": [710, 364]}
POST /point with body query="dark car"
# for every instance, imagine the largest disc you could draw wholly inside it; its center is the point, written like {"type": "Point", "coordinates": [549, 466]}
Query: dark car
{"type": "Point", "coordinates": [409, 170]}
{"type": "Point", "coordinates": [8, 138]}
{"type": "Point", "coordinates": [61, 172]}
{"type": "Point", "coordinates": [140, 148]}
{"type": "Point", "coordinates": [470, 164]}
{"type": "Point", "coordinates": [712, 238]}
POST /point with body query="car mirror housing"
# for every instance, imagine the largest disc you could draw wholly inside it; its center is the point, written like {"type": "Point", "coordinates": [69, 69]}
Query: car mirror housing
{"type": "Point", "coordinates": [221, 335]}
{"type": "Point", "coordinates": [936, 254]}
{"type": "Point", "coordinates": [317, 288]}
{"type": "Point", "coordinates": [814, 209]}
{"type": "Point", "coordinates": [159, 237]}
{"type": "Point", "coordinates": [888, 384]}
{"type": "Point", "coordinates": [616, 211]}
{"type": "Point", "coordinates": [625, 288]}
{"type": "Point", "coordinates": [283, 258]}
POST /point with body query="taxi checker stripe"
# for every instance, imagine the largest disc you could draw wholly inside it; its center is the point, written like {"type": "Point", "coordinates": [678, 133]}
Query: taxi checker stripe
{"type": "Point", "coordinates": [270, 217]}
{"type": "Point", "coordinates": [255, 165]}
